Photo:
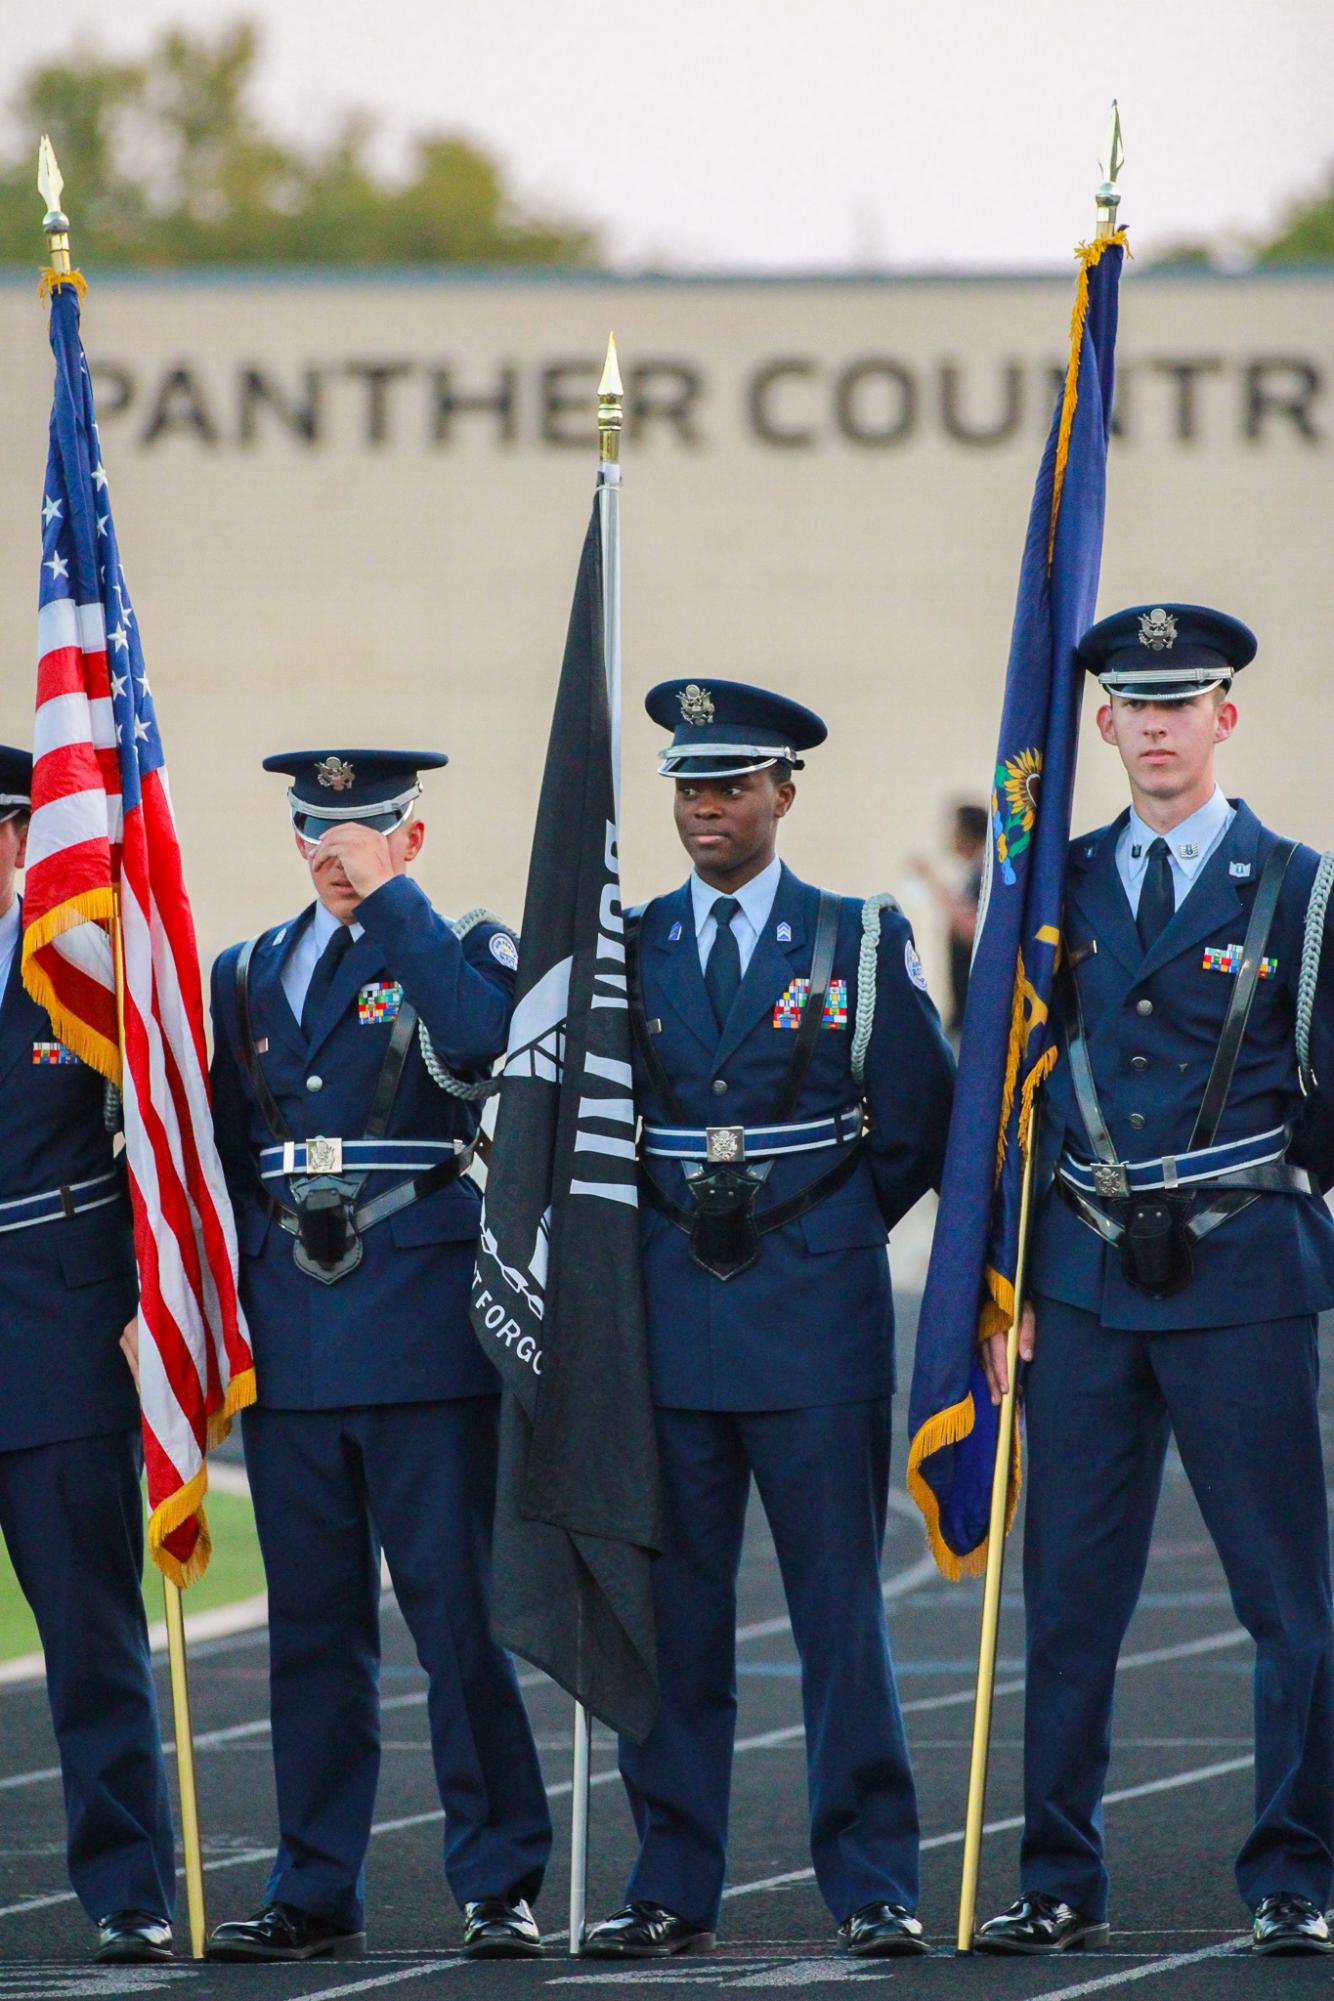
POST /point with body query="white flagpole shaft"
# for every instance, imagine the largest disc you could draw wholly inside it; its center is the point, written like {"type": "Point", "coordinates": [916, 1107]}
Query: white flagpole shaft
{"type": "Point", "coordinates": [579, 1831]}
{"type": "Point", "coordinates": [609, 507]}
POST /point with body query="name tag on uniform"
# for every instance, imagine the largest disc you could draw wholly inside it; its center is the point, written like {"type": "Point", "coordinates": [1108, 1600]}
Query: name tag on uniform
{"type": "Point", "coordinates": [379, 1000]}
{"type": "Point", "coordinates": [52, 1052]}
{"type": "Point", "coordinates": [787, 1008]}
{"type": "Point", "coordinates": [1227, 959]}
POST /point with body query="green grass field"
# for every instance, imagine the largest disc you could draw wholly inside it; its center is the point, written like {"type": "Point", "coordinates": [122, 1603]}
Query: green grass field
{"type": "Point", "coordinates": [234, 1571]}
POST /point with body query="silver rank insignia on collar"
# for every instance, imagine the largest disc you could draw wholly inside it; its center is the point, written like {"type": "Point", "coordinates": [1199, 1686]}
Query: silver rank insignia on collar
{"type": "Point", "coordinates": [1240, 870]}
{"type": "Point", "coordinates": [784, 933]}
{"type": "Point", "coordinates": [1189, 851]}
{"type": "Point", "coordinates": [696, 704]}
{"type": "Point", "coordinates": [1157, 630]}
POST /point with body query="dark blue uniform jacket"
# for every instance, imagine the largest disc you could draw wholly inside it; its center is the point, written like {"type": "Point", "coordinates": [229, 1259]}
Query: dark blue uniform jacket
{"type": "Point", "coordinates": [813, 1321]}
{"type": "Point", "coordinates": [69, 1286]}
{"type": "Point", "coordinates": [1153, 1023]}
{"type": "Point", "coordinates": [396, 1329]}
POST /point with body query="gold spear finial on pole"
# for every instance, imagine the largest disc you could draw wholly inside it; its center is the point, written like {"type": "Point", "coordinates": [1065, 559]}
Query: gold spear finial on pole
{"type": "Point", "coordinates": [50, 186]}
{"type": "Point", "coordinates": [1113, 159]}
{"type": "Point", "coordinates": [610, 413]}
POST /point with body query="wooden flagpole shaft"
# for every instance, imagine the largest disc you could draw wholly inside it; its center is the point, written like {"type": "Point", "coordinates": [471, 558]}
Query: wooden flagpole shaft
{"type": "Point", "coordinates": [991, 1593]}
{"type": "Point", "coordinates": [185, 1767]}
{"type": "Point", "coordinates": [579, 1831]}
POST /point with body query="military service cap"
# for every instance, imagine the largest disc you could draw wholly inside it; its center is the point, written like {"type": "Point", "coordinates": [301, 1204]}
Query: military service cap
{"type": "Point", "coordinates": [376, 788]}
{"type": "Point", "coordinates": [728, 727]}
{"type": "Point", "coordinates": [1165, 653]}
{"type": "Point", "coordinates": [15, 781]}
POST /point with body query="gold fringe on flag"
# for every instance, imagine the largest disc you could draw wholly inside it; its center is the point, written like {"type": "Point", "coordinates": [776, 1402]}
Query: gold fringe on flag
{"type": "Point", "coordinates": [51, 281]}
{"type": "Point", "coordinates": [91, 906]}
{"type": "Point", "coordinates": [1088, 254]}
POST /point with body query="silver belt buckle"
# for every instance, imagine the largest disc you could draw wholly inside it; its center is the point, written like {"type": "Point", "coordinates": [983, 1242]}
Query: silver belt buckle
{"type": "Point", "coordinates": [324, 1156]}
{"type": "Point", "coordinates": [724, 1143]}
{"type": "Point", "coordinates": [1110, 1179]}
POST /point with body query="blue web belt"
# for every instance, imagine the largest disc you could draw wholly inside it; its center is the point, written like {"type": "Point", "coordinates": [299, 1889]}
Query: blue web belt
{"type": "Point", "coordinates": [761, 1142]}
{"type": "Point", "coordinates": [1181, 1170]}
{"type": "Point", "coordinates": [71, 1200]}
{"type": "Point", "coordinates": [360, 1156]}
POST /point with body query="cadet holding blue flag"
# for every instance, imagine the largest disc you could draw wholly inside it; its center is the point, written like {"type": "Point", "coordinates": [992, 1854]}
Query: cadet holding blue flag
{"type": "Point", "coordinates": [352, 1047]}
{"type": "Point", "coordinates": [1181, 1255]}
{"type": "Point", "coordinates": [794, 1085]}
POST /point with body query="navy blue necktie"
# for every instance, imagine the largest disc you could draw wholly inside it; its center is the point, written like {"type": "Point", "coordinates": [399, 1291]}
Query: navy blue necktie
{"type": "Point", "coordinates": [326, 970]}
{"type": "Point", "coordinates": [1157, 897]}
{"type": "Point", "coordinates": [722, 974]}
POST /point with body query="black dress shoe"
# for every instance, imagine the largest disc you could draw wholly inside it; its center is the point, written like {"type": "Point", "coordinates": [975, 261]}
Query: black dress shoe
{"type": "Point", "coordinates": [281, 1931]}
{"type": "Point", "coordinates": [500, 1928]}
{"type": "Point", "coordinates": [882, 1931]}
{"type": "Point", "coordinates": [1287, 1923]}
{"type": "Point", "coordinates": [131, 1938]}
{"type": "Point", "coordinates": [646, 1931]}
{"type": "Point", "coordinates": [1039, 1923]}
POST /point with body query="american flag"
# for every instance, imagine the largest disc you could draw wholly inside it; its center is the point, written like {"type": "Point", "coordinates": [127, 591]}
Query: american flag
{"type": "Point", "coordinates": [103, 858]}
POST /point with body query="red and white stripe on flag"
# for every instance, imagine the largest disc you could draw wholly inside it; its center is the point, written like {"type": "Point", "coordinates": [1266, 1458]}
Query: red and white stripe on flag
{"type": "Point", "coordinates": [86, 858]}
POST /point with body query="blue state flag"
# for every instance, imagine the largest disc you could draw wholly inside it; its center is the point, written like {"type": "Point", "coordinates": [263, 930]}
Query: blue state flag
{"type": "Point", "coordinates": [1007, 1048]}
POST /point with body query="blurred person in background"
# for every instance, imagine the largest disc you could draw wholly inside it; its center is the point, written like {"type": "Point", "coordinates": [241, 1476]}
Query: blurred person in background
{"type": "Point", "coordinates": [957, 888]}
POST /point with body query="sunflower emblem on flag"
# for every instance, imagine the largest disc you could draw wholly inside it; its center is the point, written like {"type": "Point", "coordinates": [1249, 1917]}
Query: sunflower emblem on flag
{"type": "Point", "coordinates": [1014, 808]}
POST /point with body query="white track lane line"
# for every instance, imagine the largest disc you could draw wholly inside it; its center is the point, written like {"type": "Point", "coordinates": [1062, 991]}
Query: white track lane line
{"type": "Point", "coordinates": [1101, 1982]}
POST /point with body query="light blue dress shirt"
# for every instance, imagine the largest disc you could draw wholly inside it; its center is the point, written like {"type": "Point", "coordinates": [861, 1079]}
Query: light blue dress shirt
{"type": "Point", "coordinates": [1189, 846]}
{"type": "Point", "coordinates": [10, 926]}
{"type": "Point", "coordinates": [756, 898]}
{"type": "Point", "coordinates": [308, 949]}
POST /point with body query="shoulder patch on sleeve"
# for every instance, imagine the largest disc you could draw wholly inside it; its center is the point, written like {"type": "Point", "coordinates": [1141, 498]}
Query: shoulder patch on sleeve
{"type": "Point", "coordinates": [913, 964]}
{"type": "Point", "coordinates": [503, 949]}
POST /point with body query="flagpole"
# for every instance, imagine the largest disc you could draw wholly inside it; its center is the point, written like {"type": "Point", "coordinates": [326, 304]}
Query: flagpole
{"type": "Point", "coordinates": [51, 186]}
{"type": "Point", "coordinates": [609, 515]}
{"type": "Point", "coordinates": [1108, 199]}
{"type": "Point", "coordinates": [995, 1573]}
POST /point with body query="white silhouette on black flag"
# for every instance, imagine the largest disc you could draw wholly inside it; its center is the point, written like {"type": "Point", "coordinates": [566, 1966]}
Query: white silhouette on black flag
{"type": "Point", "coordinates": [557, 1298]}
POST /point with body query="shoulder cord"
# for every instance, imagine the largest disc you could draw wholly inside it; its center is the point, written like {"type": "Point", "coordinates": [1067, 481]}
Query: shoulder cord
{"type": "Point", "coordinates": [1313, 938]}
{"type": "Point", "coordinates": [435, 1069]}
{"type": "Point", "coordinates": [866, 974]}
{"type": "Point", "coordinates": [113, 1111]}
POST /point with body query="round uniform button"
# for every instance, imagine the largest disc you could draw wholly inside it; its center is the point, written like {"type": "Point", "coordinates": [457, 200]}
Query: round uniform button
{"type": "Point", "coordinates": [1139, 1062]}
{"type": "Point", "coordinates": [1144, 1007]}
{"type": "Point", "coordinates": [314, 1083]}
{"type": "Point", "coordinates": [1138, 1121]}
{"type": "Point", "coordinates": [719, 1086]}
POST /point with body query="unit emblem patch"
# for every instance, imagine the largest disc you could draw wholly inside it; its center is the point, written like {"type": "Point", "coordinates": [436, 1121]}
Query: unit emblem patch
{"type": "Point", "coordinates": [787, 1008]}
{"type": "Point", "coordinates": [379, 1000]}
{"type": "Point", "coordinates": [914, 965]}
{"type": "Point", "coordinates": [504, 951]}
{"type": "Point", "coordinates": [52, 1052]}
{"type": "Point", "coordinates": [1227, 959]}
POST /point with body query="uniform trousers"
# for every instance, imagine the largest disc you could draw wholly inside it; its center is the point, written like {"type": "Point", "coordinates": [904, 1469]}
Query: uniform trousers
{"type": "Point", "coordinates": [331, 1488]}
{"type": "Point", "coordinates": [1100, 1403]}
{"type": "Point", "coordinates": [823, 1477]}
{"type": "Point", "coordinates": [72, 1517]}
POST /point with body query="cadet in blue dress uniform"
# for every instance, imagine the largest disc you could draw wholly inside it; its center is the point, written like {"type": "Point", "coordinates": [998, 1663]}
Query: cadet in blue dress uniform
{"type": "Point", "coordinates": [772, 1019]}
{"type": "Point", "coordinates": [1181, 1255]}
{"type": "Point", "coordinates": [70, 1450]}
{"type": "Point", "coordinates": [350, 1044]}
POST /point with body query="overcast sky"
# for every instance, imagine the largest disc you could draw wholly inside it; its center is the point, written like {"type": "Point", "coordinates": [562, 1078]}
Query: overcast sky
{"type": "Point", "coordinates": [750, 133]}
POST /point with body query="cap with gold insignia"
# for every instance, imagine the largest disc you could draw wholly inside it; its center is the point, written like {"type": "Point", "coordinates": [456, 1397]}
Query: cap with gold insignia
{"type": "Point", "coordinates": [1165, 652]}
{"type": "Point", "coordinates": [723, 728]}
{"type": "Point", "coordinates": [15, 781]}
{"type": "Point", "coordinates": [375, 788]}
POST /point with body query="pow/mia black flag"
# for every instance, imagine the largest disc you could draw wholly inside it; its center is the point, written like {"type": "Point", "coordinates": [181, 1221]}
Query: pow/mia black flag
{"type": "Point", "coordinates": [557, 1299]}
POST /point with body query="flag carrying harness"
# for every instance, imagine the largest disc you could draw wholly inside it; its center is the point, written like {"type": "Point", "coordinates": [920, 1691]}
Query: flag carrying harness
{"type": "Point", "coordinates": [724, 1231]}
{"type": "Point", "coordinates": [327, 1220]}
{"type": "Point", "coordinates": [1148, 1210]}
